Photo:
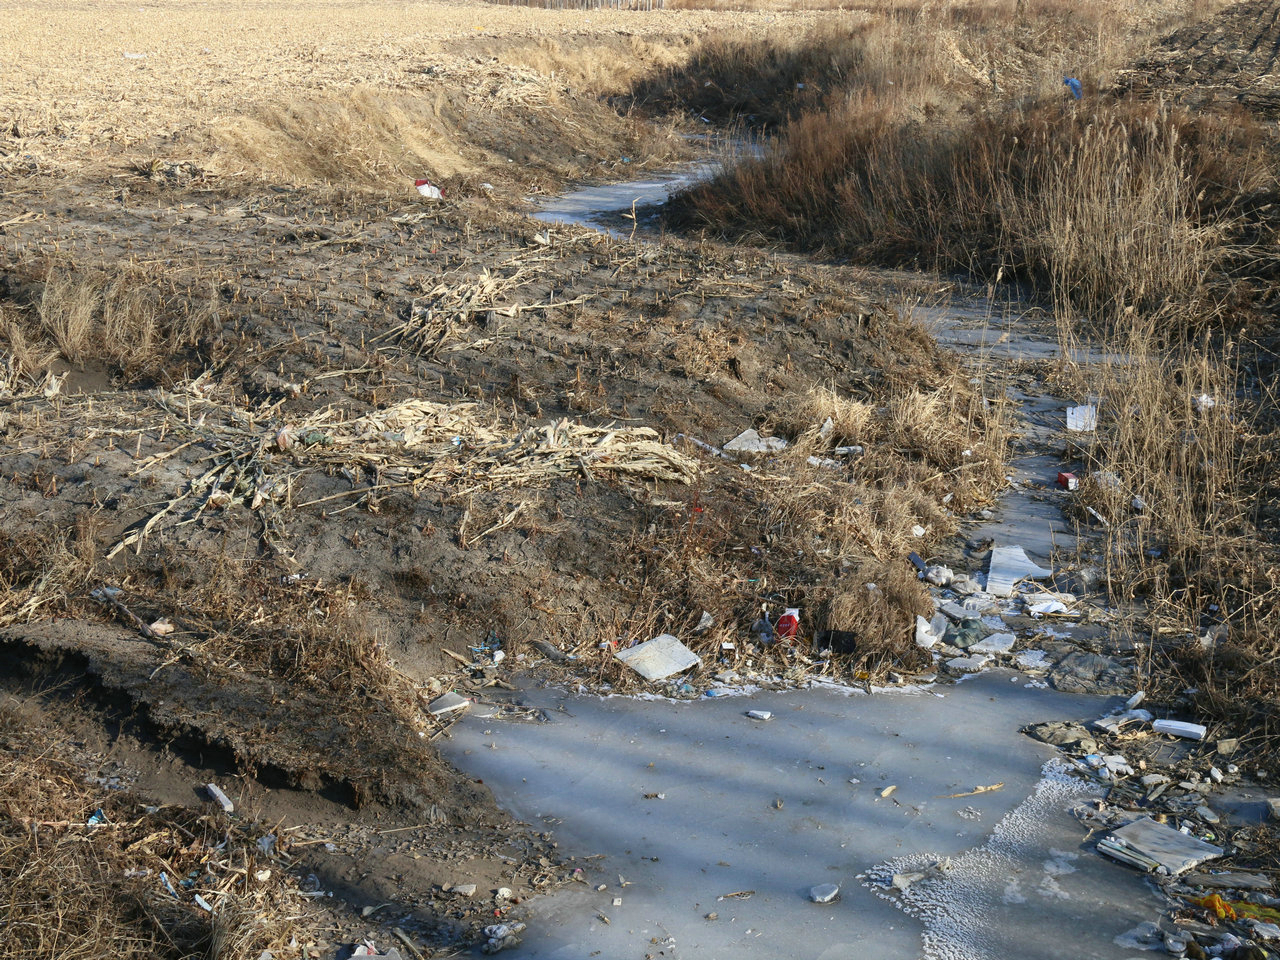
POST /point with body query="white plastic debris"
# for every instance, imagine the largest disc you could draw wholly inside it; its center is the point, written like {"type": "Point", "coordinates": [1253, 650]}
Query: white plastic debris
{"type": "Point", "coordinates": [999, 643]}
{"type": "Point", "coordinates": [429, 189]}
{"type": "Point", "coordinates": [220, 798]}
{"type": "Point", "coordinates": [447, 703]}
{"type": "Point", "coordinates": [926, 636]}
{"type": "Point", "coordinates": [824, 893]}
{"type": "Point", "coordinates": [162, 627]}
{"type": "Point", "coordinates": [918, 531]}
{"type": "Point", "coordinates": [659, 658]}
{"type": "Point", "coordinates": [1157, 847]}
{"type": "Point", "coordinates": [1203, 402]}
{"type": "Point", "coordinates": [750, 441]}
{"type": "Point", "coordinates": [1180, 728]}
{"type": "Point", "coordinates": [1082, 419]}
{"type": "Point", "coordinates": [939, 575]}
{"type": "Point", "coordinates": [1008, 566]}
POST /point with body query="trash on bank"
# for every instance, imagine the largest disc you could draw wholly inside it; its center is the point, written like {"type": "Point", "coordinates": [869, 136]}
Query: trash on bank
{"type": "Point", "coordinates": [750, 441]}
{"type": "Point", "coordinates": [788, 624]}
{"type": "Point", "coordinates": [659, 658]}
{"type": "Point", "coordinates": [1082, 419]}
{"type": "Point", "coordinates": [759, 714]}
{"type": "Point", "coordinates": [1157, 847]}
{"type": "Point", "coordinates": [1008, 566]}
{"type": "Point", "coordinates": [1180, 728]}
{"type": "Point", "coordinates": [1072, 84]}
{"type": "Point", "coordinates": [448, 703]}
{"type": "Point", "coordinates": [966, 634]}
{"type": "Point", "coordinates": [501, 936]}
{"type": "Point", "coordinates": [429, 189]}
{"type": "Point", "coordinates": [220, 798]}
{"type": "Point", "coordinates": [1068, 481]}
{"type": "Point", "coordinates": [370, 952]}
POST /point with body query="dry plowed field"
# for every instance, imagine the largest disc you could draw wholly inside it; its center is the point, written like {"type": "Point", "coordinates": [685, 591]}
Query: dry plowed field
{"type": "Point", "coordinates": [1229, 58]}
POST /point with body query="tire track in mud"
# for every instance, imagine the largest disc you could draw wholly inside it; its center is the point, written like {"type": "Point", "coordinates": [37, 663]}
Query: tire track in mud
{"type": "Point", "coordinates": [1229, 58]}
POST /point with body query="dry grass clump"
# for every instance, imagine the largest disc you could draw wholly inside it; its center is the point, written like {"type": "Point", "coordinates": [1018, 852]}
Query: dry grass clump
{"type": "Point", "coordinates": [1095, 204]}
{"type": "Point", "coordinates": [87, 318]}
{"type": "Point", "coordinates": [812, 526]}
{"type": "Point", "coordinates": [72, 889]}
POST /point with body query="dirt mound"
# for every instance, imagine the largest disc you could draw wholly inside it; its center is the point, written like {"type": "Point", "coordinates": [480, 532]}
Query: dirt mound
{"type": "Point", "coordinates": [1229, 58]}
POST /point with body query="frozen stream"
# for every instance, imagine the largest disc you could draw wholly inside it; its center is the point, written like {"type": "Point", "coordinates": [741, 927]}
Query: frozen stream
{"type": "Point", "coordinates": [683, 803]}
{"type": "Point", "coordinates": [690, 801]}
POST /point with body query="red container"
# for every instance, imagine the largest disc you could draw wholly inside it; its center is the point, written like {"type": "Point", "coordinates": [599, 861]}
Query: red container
{"type": "Point", "coordinates": [788, 625]}
{"type": "Point", "coordinates": [1068, 481]}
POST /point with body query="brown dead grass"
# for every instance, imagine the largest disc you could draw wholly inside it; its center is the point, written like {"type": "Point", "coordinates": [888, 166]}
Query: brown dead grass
{"type": "Point", "coordinates": [80, 892]}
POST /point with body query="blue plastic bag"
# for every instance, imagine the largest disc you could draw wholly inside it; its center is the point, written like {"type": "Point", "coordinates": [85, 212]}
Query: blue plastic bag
{"type": "Point", "coordinates": [1073, 85]}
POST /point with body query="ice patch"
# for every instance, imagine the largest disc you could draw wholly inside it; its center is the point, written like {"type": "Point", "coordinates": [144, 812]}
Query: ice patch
{"type": "Point", "coordinates": [1058, 864]}
{"type": "Point", "coordinates": [957, 907]}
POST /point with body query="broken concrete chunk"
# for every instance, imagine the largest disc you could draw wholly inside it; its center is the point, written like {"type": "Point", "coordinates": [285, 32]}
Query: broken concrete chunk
{"type": "Point", "coordinates": [1157, 847]}
{"type": "Point", "coordinates": [1008, 565]}
{"type": "Point", "coordinates": [750, 441]}
{"type": "Point", "coordinates": [1180, 728]}
{"type": "Point", "coordinates": [448, 703]}
{"type": "Point", "coordinates": [824, 893]}
{"type": "Point", "coordinates": [953, 611]}
{"type": "Point", "coordinates": [463, 889]}
{"type": "Point", "coordinates": [759, 714]}
{"type": "Point", "coordinates": [659, 658]}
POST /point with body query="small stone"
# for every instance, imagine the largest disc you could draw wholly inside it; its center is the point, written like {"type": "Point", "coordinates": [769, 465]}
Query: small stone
{"type": "Point", "coordinates": [1151, 779]}
{"type": "Point", "coordinates": [824, 893]}
{"type": "Point", "coordinates": [463, 889]}
{"type": "Point", "coordinates": [1273, 808]}
{"type": "Point", "coordinates": [1227, 748]}
{"type": "Point", "coordinates": [1215, 774]}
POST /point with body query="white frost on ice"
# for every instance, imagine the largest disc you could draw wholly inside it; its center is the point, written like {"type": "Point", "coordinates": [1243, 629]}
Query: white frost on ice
{"type": "Point", "coordinates": [956, 908]}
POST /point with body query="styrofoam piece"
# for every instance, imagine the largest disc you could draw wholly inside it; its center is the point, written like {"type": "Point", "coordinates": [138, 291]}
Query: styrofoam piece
{"type": "Point", "coordinates": [925, 635]}
{"type": "Point", "coordinates": [659, 658]}
{"type": "Point", "coordinates": [1180, 728]}
{"type": "Point", "coordinates": [1082, 419]}
{"type": "Point", "coordinates": [1157, 846]}
{"type": "Point", "coordinates": [759, 714]}
{"type": "Point", "coordinates": [824, 893]}
{"type": "Point", "coordinates": [1008, 566]}
{"type": "Point", "coordinates": [750, 441]}
{"type": "Point", "coordinates": [996, 643]}
{"type": "Point", "coordinates": [447, 704]}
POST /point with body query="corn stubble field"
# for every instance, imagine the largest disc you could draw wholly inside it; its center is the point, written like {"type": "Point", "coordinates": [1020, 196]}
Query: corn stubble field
{"type": "Point", "coordinates": [281, 440]}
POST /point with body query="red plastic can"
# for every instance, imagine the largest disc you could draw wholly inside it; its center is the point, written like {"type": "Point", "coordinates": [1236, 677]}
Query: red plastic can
{"type": "Point", "coordinates": [788, 624]}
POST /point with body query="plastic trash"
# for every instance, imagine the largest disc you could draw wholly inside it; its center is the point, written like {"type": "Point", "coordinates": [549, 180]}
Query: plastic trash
{"type": "Point", "coordinates": [1084, 418]}
{"type": "Point", "coordinates": [1180, 728]}
{"type": "Point", "coordinates": [1072, 84]}
{"type": "Point", "coordinates": [759, 714]}
{"type": "Point", "coordinates": [966, 634]}
{"type": "Point", "coordinates": [447, 704]}
{"type": "Point", "coordinates": [429, 190]}
{"type": "Point", "coordinates": [1157, 847]}
{"type": "Point", "coordinates": [1008, 565]}
{"type": "Point", "coordinates": [1068, 481]}
{"type": "Point", "coordinates": [750, 441]}
{"type": "Point", "coordinates": [220, 798]}
{"type": "Point", "coordinates": [788, 624]}
{"type": "Point", "coordinates": [659, 658]}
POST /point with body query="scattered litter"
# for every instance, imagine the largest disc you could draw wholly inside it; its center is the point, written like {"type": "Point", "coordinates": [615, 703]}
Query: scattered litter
{"type": "Point", "coordinates": [220, 798]}
{"type": "Point", "coordinates": [1158, 847]}
{"type": "Point", "coordinates": [447, 703]}
{"type": "Point", "coordinates": [926, 635]}
{"type": "Point", "coordinates": [750, 441]}
{"type": "Point", "coordinates": [367, 949]}
{"type": "Point", "coordinates": [501, 936]}
{"type": "Point", "coordinates": [162, 627]}
{"type": "Point", "coordinates": [1180, 728]}
{"type": "Point", "coordinates": [824, 893]}
{"type": "Point", "coordinates": [736, 895]}
{"type": "Point", "coordinates": [1047, 607]}
{"type": "Point", "coordinates": [788, 624]}
{"type": "Point", "coordinates": [918, 531]}
{"type": "Point", "coordinates": [429, 189]}
{"type": "Point", "coordinates": [939, 575]}
{"type": "Point", "coordinates": [1072, 84]}
{"type": "Point", "coordinates": [1068, 481]}
{"type": "Point", "coordinates": [969, 664]}
{"type": "Point", "coordinates": [705, 623]}
{"type": "Point", "coordinates": [759, 714]}
{"type": "Point", "coordinates": [97, 819]}
{"type": "Point", "coordinates": [203, 904]}
{"type": "Point", "coordinates": [1082, 419]}
{"type": "Point", "coordinates": [1203, 402]}
{"type": "Point", "coordinates": [998, 643]}
{"type": "Point", "coordinates": [659, 658]}
{"type": "Point", "coordinates": [1273, 808]}
{"type": "Point", "coordinates": [967, 633]}
{"type": "Point", "coordinates": [1008, 566]}
{"type": "Point", "coordinates": [887, 791]}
